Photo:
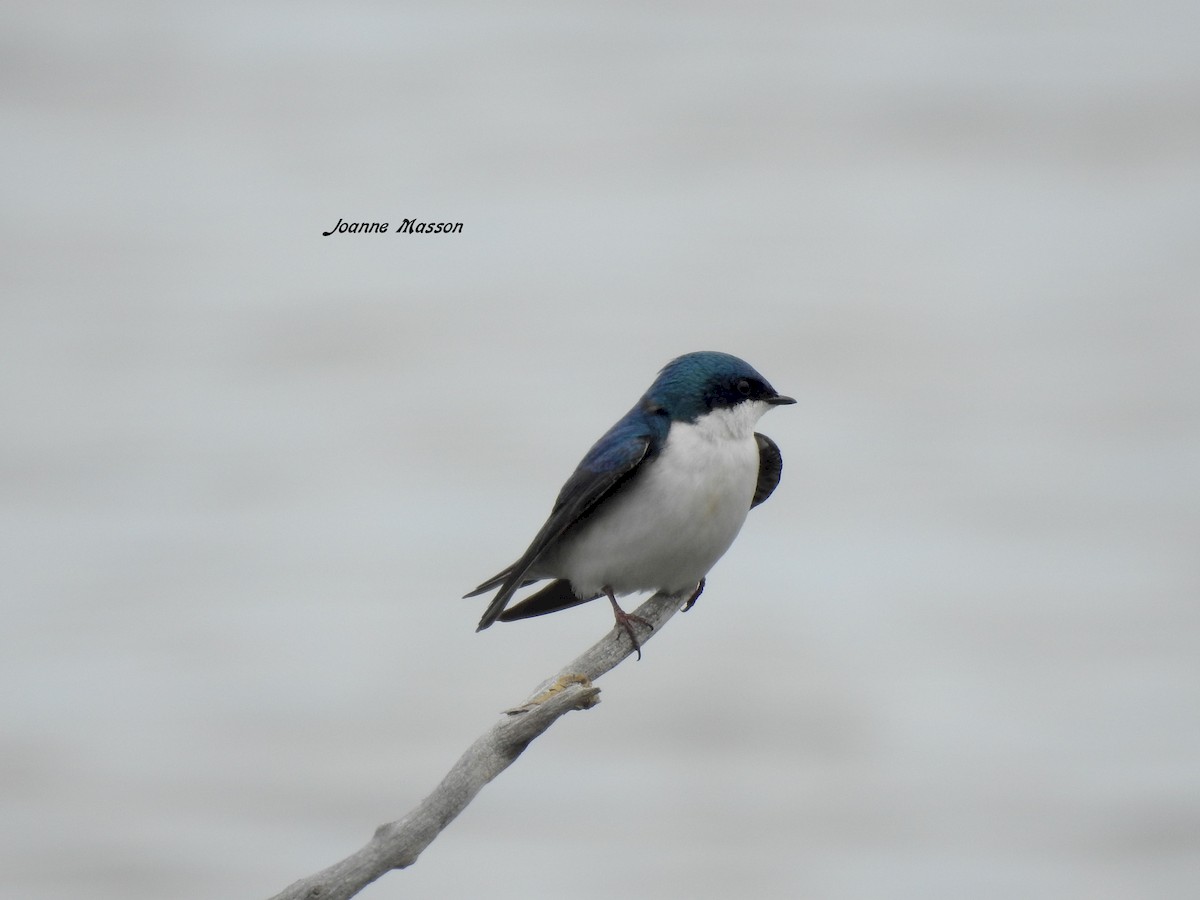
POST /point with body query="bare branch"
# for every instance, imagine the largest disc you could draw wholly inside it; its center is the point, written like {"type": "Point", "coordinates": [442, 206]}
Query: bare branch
{"type": "Point", "coordinates": [397, 845]}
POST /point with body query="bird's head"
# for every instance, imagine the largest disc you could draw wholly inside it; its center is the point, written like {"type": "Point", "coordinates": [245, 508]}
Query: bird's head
{"type": "Point", "coordinates": [696, 384]}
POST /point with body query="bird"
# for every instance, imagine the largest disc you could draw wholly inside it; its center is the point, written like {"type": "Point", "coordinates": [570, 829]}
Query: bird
{"type": "Point", "coordinates": [657, 500]}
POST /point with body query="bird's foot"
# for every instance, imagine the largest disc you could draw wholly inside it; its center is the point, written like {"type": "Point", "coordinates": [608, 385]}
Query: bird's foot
{"type": "Point", "coordinates": [627, 621]}
{"type": "Point", "coordinates": [691, 601]}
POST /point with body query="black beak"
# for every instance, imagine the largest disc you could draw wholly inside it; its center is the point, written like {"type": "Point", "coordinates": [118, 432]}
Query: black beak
{"type": "Point", "coordinates": [780, 400]}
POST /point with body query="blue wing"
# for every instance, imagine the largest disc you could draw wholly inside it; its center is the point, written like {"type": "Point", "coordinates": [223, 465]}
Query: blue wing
{"type": "Point", "coordinates": [770, 468]}
{"type": "Point", "coordinates": [635, 439]}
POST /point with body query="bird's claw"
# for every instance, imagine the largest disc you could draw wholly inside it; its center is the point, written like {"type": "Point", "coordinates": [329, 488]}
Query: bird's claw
{"type": "Point", "coordinates": [626, 621]}
{"type": "Point", "coordinates": [691, 601]}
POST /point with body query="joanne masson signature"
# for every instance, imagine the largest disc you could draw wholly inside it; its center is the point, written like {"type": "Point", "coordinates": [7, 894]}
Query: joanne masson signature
{"type": "Point", "coordinates": [408, 226]}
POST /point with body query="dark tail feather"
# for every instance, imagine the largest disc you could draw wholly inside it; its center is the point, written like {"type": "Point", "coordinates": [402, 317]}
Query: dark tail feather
{"type": "Point", "coordinates": [496, 606]}
{"type": "Point", "coordinates": [553, 597]}
{"type": "Point", "coordinates": [505, 594]}
{"type": "Point", "coordinates": [494, 582]}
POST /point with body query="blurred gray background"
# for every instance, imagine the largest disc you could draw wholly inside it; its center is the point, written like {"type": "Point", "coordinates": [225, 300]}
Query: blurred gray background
{"type": "Point", "coordinates": [247, 471]}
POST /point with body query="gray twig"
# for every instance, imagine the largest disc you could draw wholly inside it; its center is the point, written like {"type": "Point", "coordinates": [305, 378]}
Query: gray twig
{"type": "Point", "coordinates": [397, 845]}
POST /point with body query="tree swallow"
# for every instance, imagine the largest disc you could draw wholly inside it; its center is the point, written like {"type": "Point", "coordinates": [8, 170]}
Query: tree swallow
{"type": "Point", "coordinates": [657, 500]}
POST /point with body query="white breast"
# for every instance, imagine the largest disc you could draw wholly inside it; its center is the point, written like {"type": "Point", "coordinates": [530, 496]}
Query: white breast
{"type": "Point", "coordinates": [676, 518]}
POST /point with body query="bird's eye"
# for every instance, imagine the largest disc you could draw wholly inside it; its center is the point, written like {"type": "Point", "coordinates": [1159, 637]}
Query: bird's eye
{"type": "Point", "coordinates": [743, 387]}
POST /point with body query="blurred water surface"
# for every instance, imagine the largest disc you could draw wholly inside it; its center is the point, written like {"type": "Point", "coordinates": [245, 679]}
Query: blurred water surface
{"type": "Point", "coordinates": [247, 470]}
